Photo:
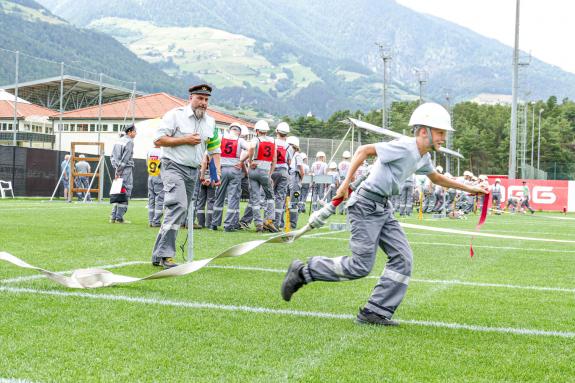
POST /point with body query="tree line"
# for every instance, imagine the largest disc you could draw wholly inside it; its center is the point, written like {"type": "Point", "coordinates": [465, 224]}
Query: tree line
{"type": "Point", "coordinates": [482, 133]}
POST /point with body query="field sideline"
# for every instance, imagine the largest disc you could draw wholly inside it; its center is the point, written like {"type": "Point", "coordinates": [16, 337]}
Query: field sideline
{"type": "Point", "coordinates": [505, 315]}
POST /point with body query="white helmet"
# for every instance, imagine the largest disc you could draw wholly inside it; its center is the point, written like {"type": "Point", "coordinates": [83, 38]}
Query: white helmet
{"type": "Point", "coordinates": [320, 154]}
{"type": "Point", "coordinates": [498, 180]}
{"type": "Point", "coordinates": [293, 140]}
{"type": "Point", "coordinates": [439, 169]}
{"type": "Point", "coordinates": [245, 131]}
{"type": "Point", "coordinates": [483, 177]}
{"type": "Point", "coordinates": [332, 165]}
{"type": "Point", "coordinates": [283, 128]}
{"type": "Point", "coordinates": [346, 154]}
{"type": "Point", "coordinates": [82, 156]}
{"type": "Point", "coordinates": [303, 156]}
{"type": "Point", "coordinates": [235, 125]}
{"type": "Point", "coordinates": [448, 175]}
{"type": "Point", "coordinates": [467, 173]}
{"type": "Point", "coordinates": [432, 115]}
{"type": "Point", "coordinates": [262, 126]}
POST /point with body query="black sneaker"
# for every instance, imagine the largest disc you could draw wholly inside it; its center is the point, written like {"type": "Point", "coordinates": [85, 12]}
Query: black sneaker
{"type": "Point", "coordinates": [293, 280]}
{"type": "Point", "coordinates": [366, 316]}
{"type": "Point", "coordinates": [230, 229]}
{"type": "Point", "coordinates": [156, 262]}
{"type": "Point", "coordinates": [168, 263]}
{"type": "Point", "coordinates": [214, 228]}
{"type": "Point", "coordinates": [244, 226]}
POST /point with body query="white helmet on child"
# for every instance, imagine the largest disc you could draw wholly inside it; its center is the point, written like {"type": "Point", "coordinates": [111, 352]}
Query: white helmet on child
{"type": "Point", "coordinates": [432, 115]}
{"type": "Point", "coordinates": [439, 169]}
{"type": "Point", "coordinates": [283, 128]}
{"type": "Point", "coordinates": [245, 131]}
{"type": "Point", "coordinates": [332, 165]}
{"type": "Point", "coordinates": [262, 126]}
{"type": "Point", "coordinates": [293, 140]}
{"type": "Point", "coordinates": [235, 125]}
{"type": "Point", "coordinates": [346, 154]}
{"type": "Point", "coordinates": [320, 154]}
{"type": "Point", "coordinates": [303, 156]}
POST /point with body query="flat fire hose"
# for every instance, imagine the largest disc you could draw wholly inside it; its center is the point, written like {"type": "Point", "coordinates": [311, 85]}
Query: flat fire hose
{"type": "Point", "coordinates": [94, 278]}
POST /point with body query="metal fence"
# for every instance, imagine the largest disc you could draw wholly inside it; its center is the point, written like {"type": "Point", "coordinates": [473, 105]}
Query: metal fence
{"type": "Point", "coordinates": [59, 87]}
{"type": "Point", "coordinates": [35, 172]}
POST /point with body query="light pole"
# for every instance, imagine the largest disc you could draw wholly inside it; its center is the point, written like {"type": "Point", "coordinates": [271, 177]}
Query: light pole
{"type": "Point", "coordinates": [539, 139]}
{"type": "Point", "coordinates": [532, 131]}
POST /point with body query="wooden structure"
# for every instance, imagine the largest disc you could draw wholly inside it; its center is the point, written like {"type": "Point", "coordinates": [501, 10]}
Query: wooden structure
{"type": "Point", "coordinates": [98, 172]}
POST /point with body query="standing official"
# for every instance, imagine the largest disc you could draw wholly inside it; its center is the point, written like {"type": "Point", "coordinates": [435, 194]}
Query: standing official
{"type": "Point", "coordinates": [155, 187]}
{"type": "Point", "coordinates": [123, 164]}
{"type": "Point", "coordinates": [184, 135]}
{"type": "Point", "coordinates": [65, 169]}
{"type": "Point", "coordinates": [83, 182]}
{"type": "Point", "coordinates": [372, 220]}
{"type": "Point", "coordinates": [297, 171]}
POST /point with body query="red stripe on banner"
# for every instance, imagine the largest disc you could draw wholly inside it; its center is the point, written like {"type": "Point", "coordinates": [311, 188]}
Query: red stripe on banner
{"type": "Point", "coordinates": [482, 218]}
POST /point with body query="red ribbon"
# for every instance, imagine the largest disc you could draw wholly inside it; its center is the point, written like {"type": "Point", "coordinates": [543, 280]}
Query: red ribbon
{"type": "Point", "coordinates": [482, 218]}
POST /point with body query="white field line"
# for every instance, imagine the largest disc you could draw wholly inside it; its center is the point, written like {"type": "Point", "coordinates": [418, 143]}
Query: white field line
{"type": "Point", "coordinates": [464, 245]}
{"type": "Point", "coordinates": [284, 312]}
{"type": "Point", "coordinates": [12, 380]}
{"type": "Point", "coordinates": [40, 276]}
{"type": "Point", "coordinates": [432, 281]}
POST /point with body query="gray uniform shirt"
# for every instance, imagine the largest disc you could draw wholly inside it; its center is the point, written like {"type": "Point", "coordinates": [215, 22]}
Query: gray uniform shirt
{"type": "Point", "coordinates": [289, 153]}
{"type": "Point", "coordinates": [182, 121]}
{"type": "Point", "coordinates": [242, 145]}
{"type": "Point", "coordinates": [295, 163]}
{"type": "Point", "coordinates": [396, 161]}
{"type": "Point", "coordinates": [122, 154]}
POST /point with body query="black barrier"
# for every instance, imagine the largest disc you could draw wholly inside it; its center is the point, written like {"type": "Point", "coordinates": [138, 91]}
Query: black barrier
{"type": "Point", "coordinates": [35, 172]}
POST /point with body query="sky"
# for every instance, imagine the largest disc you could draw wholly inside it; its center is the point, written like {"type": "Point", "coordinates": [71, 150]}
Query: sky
{"type": "Point", "coordinates": [547, 27]}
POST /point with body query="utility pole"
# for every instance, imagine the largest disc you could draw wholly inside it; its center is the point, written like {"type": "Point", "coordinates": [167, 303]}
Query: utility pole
{"type": "Point", "coordinates": [385, 56]}
{"type": "Point", "coordinates": [15, 122]}
{"type": "Point", "coordinates": [515, 86]}
{"type": "Point", "coordinates": [448, 136]}
{"type": "Point", "coordinates": [421, 79]}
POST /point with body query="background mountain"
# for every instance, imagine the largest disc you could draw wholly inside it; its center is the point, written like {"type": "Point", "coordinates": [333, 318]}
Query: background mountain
{"type": "Point", "coordinates": [299, 56]}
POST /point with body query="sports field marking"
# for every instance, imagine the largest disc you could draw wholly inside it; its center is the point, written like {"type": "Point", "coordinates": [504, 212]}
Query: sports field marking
{"type": "Point", "coordinates": [284, 312]}
{"type": "Point", "coordinates": [431, 281]}
{"type": "Point", "coordinates": [11, 380]}
{"type": "Point", "coordinates": [40, 276]}
{"type": "Point", "coordinates": [464, 245]}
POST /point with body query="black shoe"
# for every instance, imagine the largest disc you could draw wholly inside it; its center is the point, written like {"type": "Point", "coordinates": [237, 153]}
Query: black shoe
{"type": "Point", "coordinates": [214, 228]}
{"type": "Point", "coordinates": [244, 226]}
{"type": "Point", "coordinates": [366, 316]}
{"type": "Point", "coordinates": [293, 280]}
{"type": "Point", "coordinates": [230, 229]}
{"type": "Point", "coordinates": [168, 263]}
{"type": "Point", "coordinates": [156, 262]}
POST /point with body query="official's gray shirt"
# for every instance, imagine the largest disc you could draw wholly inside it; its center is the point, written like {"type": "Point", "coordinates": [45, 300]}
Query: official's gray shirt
{"type": "Point", "coordinates": [182, 121]}
{"type": "Point", "coordinates": [396, 161]}
{"type": "Point", "coordinates": [122, 154]}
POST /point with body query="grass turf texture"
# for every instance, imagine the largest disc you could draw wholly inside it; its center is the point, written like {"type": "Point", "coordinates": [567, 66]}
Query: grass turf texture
{"type": "Point", "coordinates": [67, 338]}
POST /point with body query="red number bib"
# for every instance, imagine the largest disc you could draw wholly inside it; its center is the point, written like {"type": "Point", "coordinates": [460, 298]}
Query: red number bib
{"type": "Point", "coordinates": [229, 148]}
{"type": "Point", "coordinates": [281, 155]}
{"type": "Point", "coordinates": [266, 151]}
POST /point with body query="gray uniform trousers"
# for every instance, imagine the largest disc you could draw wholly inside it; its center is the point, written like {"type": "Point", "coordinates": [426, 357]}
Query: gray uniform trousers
{"type": "Point", "coordinates": [280, 180]}
{"type": "Point", "coordinates": [155, 200]}
{"type": "Point", "coordinates": [439, 201]}
{"type": "Point", "coordinates": [428, 202]}
{"type": "Point", "coordinates": [260, 177]}
{"type": "Point", "coordinates": [205, 205]}
{"type": "Point", "coordinates": [119, 209]}
{"type": "Point", "coordinates": [317, 193]}
{"type": "Point", "coordinates": [303, 197]}
{"type": "Point", "coordinates": [231, 187]}
{"type": "Point", "coordinates": [406, 200]}
{"type": "Point", "coordinates": [248, 216]}
{"type": "Point", "coordinates": [496, 202]}
{"type": "Point", "coordinates": [295, 189]}
{"type": "Point", "coordinates": [372, 224]}
{"type": "Point", "coordinates": [179, 184]}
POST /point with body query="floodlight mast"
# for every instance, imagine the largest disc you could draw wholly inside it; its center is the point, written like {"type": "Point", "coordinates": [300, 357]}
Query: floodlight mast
{"type": "Point", "coordinates": [385, 56]}
{"type": "Point", "coordinates": [515, 86]}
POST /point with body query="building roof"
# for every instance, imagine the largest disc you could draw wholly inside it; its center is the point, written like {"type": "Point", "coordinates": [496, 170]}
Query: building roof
{"type": "Point", "coordinates": [23, 110]}
{"type": "Point", "coordinates": [78, 92]}
{"type": "Point", "coordinates": [145, 107]}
